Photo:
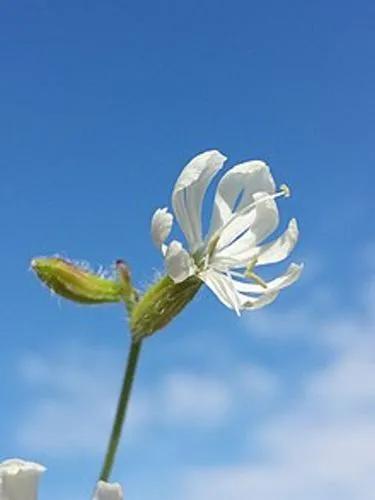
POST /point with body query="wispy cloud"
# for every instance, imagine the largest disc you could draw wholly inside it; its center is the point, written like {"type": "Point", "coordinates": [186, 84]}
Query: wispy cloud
{"type": "Point", "coordinates": [73, 397]}
{"type": "Point", "coordinates": [323, 445]}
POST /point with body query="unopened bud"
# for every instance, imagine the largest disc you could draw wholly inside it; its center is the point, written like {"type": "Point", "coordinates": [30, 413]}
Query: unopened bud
{"type": "Point", "coordinates": [76, 283]}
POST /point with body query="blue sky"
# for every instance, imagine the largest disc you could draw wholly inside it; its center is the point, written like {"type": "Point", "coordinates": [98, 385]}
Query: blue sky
{"type": "Point", "coordinates": [102, 105]}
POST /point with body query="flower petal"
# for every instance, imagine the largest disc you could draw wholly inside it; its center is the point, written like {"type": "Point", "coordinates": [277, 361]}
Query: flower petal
{"type": "Point", "coordinates": [189, 191]}
{"type": "Point", "coordinates": [161, 225]}
{"type": "Point", "coordinates": [253, 303]}
{"type": "Point", "coordinates": [281, 248]}
{"type": "Point", "coordinates": [236, 189]}
{"type": "Point", "coordinates": [178, 262]}
{"type": "Point", "coordinates": [108, 491]}
{"type": "Point", "coordinates": [222, 286]}
{"type": "Point", "coordinates": [19, 479]}
{"type": "Point", "coordinates": [238, 240]}
{"type": "Point", "coordinates": [288, 278]}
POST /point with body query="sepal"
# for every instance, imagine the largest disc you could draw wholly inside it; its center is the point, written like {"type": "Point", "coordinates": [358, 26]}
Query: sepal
{"type": "Point", "coordinates": [162, 302]}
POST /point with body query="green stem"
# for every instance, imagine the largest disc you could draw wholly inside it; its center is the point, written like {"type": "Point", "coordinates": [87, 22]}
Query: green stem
{"type": "Point", "coordinates": [122, 405]}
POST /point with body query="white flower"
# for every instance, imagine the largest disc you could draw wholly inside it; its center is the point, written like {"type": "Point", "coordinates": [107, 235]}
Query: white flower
{"type": "Point", "coordinates": [19, 479]}
{"type": "Point", "coordinates": [108, 491]}
{"type": "Point", "coordinates": [244, 214]}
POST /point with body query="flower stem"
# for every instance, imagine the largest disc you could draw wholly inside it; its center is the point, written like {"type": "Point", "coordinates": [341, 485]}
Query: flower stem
{"type": "Point", "coordinates": [122, 405]}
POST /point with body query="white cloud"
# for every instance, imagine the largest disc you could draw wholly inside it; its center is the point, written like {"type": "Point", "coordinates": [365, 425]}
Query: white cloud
{"type": "Point", "coordinates": [193, 399]}
{"type": "Point", "coordinates": [257, 382]}
{"type": "Point", "coordinates": [73, 397]}
{"type": "Point", "coordinates": [300, 319]}
{"type": "Point", "coordinates": [322, 447]}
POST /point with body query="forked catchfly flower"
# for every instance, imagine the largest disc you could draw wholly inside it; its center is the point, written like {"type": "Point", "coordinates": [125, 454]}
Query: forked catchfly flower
{"type": "Point", "coordinates": [225, 257]}
{"type": "Point", "coordinates": [245, 213]}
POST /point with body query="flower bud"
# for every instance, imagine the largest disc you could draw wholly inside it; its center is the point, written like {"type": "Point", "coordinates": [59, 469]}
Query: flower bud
{"type": "Point", "coordinates": [160, 304]}
{"type": "Point", "coordinates": [75, 283]}
{"type": "Point", "coordinates": [19, 479]}
{"type": "Point", "coordinates": [108, 491]}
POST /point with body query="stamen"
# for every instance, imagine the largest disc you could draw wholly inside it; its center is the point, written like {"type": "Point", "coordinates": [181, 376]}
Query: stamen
{"type": "Point", "coordinates": [284, 188]}
{"type": "Point", "coordinates": [251, 265]}
{"type": "Point", "coordinates": [212, 245]}
{"type": "Point", "coordinates": [258, 280]}
{"type": "Point", "coordinates": [249, 273]}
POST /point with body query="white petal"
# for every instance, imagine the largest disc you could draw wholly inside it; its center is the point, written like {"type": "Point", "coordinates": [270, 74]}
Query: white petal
{"type": "Point", "coordinates": [161, 225]}
{"type": "Point", "coordinates": [281, 248]}
{"type": "Point", "coordinates": [238, 240]}
{"type": "Point", "coordinates": [223, 288]}
{"type": "Point", "coordinates": [253, 303]}
{"type": "Point", "coordinates": [178, 262]}
{"type": "Point", "coordinates": [19, 479]}
{"type": "Point", "coordinates": [236, 190]}
{"type": "Point", "coordinates": [223, 261]}
{"type": "Point", "coordinates": [288, 278]}
{"type": "Point", "coordinates": [108, 491]}
{"type": "Point", "coordinates": [189, 191]}
{"type": "Point", "coordinates": [255, 225]}
{"type": "Point", "coordinates": [291, 275]}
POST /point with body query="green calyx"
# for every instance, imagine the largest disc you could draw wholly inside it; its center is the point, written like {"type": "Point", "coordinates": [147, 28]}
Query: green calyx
{"type": "Point", "coordinates": [75, 283]}
{"type": "Point", "coordinates": [147, 313]}
{"type": "Point", "coordinates": [160, 304]}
